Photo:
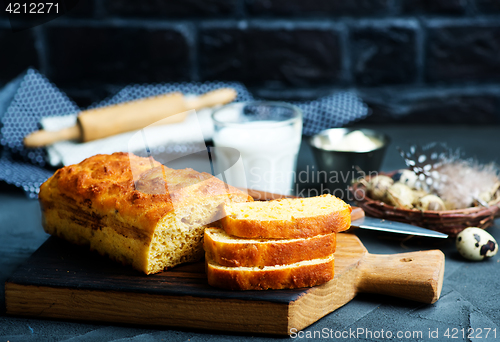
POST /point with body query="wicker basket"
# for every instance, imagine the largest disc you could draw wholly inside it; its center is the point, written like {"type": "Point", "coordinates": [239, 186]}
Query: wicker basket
{"type": "Point", "coordinates": [450, 222]}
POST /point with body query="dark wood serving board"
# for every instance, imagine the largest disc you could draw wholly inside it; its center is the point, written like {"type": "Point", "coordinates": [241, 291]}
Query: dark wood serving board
{"type": "Point", "coordinates": [63, 281]}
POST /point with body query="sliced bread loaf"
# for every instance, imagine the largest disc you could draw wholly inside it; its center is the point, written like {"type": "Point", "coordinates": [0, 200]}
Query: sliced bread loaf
{"type": "Point", "coordinates": [287, 218]}
{"type": "Point", "coordinates": [301, 274]}
{"type": "Point", "coordinates": [231, 251]}
{"type": "Point", "coordinates": [151, 223]}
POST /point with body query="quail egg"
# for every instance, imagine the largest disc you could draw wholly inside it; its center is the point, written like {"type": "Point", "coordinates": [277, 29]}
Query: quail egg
{"type": "Point", "coordinates": [378, 186]}
{"type": "Point", "coordinates": [483, 198]}
{"type": "Point", "coordinates": [430, 202]}
{"type": "Point", "coordinates": [476, 244]}
{"type": "Point", "coordinates": [400, 195]}
{"type": "Point", "coordinates": [495, 193]}
{"type": "Point", "coordinates": [407, 177]}
{"type": "Point", "coordinates": [417, 195]}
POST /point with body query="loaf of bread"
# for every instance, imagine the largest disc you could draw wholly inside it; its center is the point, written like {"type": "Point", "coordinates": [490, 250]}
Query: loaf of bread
{"type": "Point", "coordinates": [227, 250]}
{"type": "Point", "coordinates": [134, 210]}
{"type": "Point", "coordinates": [301, 274]}
{"type": "Point", "coordinates": [287, 218]}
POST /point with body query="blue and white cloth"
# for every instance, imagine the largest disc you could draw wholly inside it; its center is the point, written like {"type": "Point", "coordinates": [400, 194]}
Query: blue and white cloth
{"type": "Point", "coordinates": [31, 102]}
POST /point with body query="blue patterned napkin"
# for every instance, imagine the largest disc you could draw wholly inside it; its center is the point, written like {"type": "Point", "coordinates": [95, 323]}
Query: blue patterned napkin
{"type": "Point", "coordinates": [31, 97]}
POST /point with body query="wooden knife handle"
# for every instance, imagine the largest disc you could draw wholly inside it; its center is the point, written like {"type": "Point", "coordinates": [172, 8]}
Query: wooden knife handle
{"type": "Point", "coordinates": [357, 213]}
{"type": "Point", "coordinates": [43, 138]}
{"type": "Point", "coordinates": [416, 276]}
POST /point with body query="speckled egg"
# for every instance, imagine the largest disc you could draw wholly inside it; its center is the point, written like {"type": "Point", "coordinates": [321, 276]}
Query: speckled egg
{"type": "Point", "coordinates": [476, 244]}
{"type": "Point", "coordinates": [430, 202]}
{"type": "Point", "coordinates": [378, 186]}
{"type": "Point", "coordinates": [400, 195]}
{"type": "Point", "coordinates": [406, 177]}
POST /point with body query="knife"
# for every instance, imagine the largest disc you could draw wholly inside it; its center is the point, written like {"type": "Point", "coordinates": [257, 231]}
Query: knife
{"type": "Point", "coordinates": [359, 220]}
{"type": "Point", "coordinates": [395, 227]}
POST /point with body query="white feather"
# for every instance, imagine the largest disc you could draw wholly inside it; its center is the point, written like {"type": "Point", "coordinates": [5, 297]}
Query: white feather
{"type": "Point", "coordinates": [464, 180]}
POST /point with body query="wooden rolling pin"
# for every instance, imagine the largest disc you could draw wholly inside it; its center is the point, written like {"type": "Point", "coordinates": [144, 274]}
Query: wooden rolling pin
{"type": "Point", "coordinates": [103, 122]}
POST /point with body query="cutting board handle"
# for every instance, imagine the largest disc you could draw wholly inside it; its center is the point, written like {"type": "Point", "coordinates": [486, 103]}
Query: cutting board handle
{"type": "Point", "coordinates": [416, 276]}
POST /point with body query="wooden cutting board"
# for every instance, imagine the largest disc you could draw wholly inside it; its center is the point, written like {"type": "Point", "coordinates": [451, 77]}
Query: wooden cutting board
{"type": "Point", "coordinates": [63, 281]}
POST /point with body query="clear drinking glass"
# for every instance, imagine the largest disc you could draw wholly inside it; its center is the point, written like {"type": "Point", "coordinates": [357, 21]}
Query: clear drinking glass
{"type": "Point", "coordinates": [267, 136]}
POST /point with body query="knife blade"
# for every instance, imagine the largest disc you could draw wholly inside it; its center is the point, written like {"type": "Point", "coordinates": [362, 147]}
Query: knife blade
{"type": "Point", "coordinates": [394, 227]}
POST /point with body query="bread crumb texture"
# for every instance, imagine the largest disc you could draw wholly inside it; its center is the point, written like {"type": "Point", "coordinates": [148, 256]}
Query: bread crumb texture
{"type": "Point", "coordinates": [302, 274]}
{"type": "Point", "coordinates": [151, 222]}
{"type": "Point", "coordinates": [231, 251]}
{"type": "Point", "coordinates": [287, 218]}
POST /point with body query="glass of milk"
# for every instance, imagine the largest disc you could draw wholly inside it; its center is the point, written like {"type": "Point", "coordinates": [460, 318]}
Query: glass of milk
{"type": "Point", "coordinates": [267, 136]}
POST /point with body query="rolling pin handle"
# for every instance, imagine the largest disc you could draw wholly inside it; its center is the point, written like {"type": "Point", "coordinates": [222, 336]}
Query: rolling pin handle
{"type": "Point", "coordinates": [212, 98]}
{"type": "Point", "coordinates": [43, 138]}
{"type": "Point", "coordinates": [103, 122]}
{"type": "Point", "coordinates": [416, 276]}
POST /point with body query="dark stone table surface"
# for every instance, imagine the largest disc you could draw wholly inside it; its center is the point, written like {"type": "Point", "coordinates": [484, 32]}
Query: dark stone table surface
{"type": "Point", "coordinates": [470, 299]}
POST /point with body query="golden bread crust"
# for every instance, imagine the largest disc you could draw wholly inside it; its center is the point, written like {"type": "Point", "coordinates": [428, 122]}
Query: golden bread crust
{"type": "Point", "coordinates": [97, 202]}
{"type": "Point", "coordinates": [105, 183]}
{"type": "Point", "coordinates": [335, 221]}
{"type": "Point", "coordinates": [294, 276]}
{"type": "Point", "coordinates": [249, 253]}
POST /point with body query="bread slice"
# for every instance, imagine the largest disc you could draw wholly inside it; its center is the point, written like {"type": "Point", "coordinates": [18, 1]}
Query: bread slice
{"type": "Point", "coordinates": [227, 250]}
{"type": "Point", "coordinates": [287, 218]}
{"type": "Point", "coordinates": [151, 223]}
{"type": "Point", "coordinates": [301, 274]}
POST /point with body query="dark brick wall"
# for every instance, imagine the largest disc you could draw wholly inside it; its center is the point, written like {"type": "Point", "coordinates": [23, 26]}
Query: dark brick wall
{"type": "Point", "coordinates": [456, 7]}
{"type": "Point", "coordinates": [318, 7]}
{"type": "Point", "coordinates": [171, 8]}
{"type": "Point", "coordinates": [463, 51]}
{"type": "Point", "coordinates": [412, 60]}
{"type": "Point", "coordinates": [384, 52]}
{"type": "Point", "coordinates": [118, 54]}
{"type": "Point", "coordinates": [17, 51]}
{"type": "Point", "coordinates": [305, 55]}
